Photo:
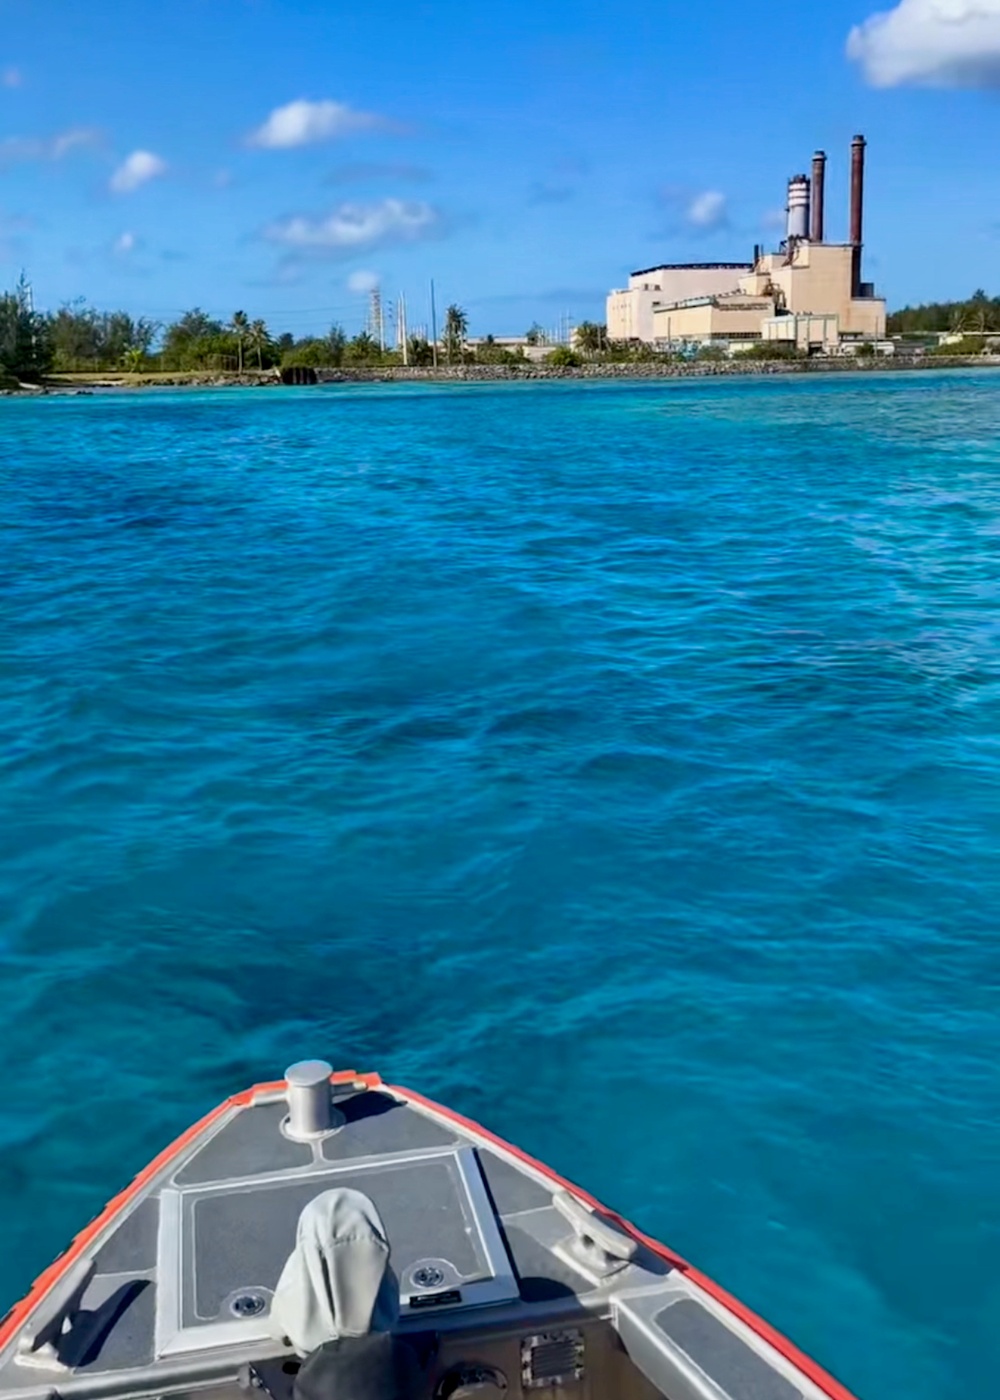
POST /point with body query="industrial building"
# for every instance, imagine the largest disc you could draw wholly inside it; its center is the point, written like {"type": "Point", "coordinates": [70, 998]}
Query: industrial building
{"type": "Point", "coordinates": [630, 311]}
{"type": "Point", "coordinates": [809, 294]}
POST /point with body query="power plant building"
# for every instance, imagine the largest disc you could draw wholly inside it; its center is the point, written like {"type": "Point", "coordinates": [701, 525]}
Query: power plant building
{"type": "Point", "coordinates": [630, 310]}
{"type": "Point", "coordinates": [809, 294]}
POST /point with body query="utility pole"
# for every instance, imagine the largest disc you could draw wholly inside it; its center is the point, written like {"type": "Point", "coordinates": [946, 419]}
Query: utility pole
{"type": "Point", "coordinates": [402, 328]}
{"type": "Point", "coordinates": [29, 298]}
{"type": "Point", "coordinates": [434, 327]}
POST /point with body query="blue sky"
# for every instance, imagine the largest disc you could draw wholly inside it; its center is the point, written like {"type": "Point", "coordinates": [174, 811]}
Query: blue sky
{"type": "Point", "coordinates": [279, 155]}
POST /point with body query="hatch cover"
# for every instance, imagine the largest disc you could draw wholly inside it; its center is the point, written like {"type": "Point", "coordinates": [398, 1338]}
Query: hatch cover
{"type": "Point", "coordinates": [225, 1241]}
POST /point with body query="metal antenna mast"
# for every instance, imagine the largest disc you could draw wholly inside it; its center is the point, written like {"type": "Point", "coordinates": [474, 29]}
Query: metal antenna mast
{"type": "Point", "coordinates": [403, 338]}
{"type": "Point", "coordinates": [434, 327]}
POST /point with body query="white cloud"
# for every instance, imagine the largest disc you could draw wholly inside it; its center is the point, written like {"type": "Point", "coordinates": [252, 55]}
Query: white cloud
{"type": "Point", "coordinates": [11, 77]}
{"type": "Point", "coordinates": [125, 243]}
{"type": "Point", "coordinates": [301, 123]}
{"type": "Point", "coordinates": [707, 210]}
{"type": "Point", "coordinates": [72, 140]}
{"type": "Point", "coordinates": [932, 43]}
{"type": "Point", "coordinates": [351, 227]}
{"type": "Point", "coordinates": [363, 281]}
{"type": "Point", "coordinates": [47, 147]}
{"type": "Point", "coordinates": [135, 170]}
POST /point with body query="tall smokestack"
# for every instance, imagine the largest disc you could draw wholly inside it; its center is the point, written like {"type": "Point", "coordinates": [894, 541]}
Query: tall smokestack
{"type": "Point", "coordinates": [818, 183]}
{"type": "Point", "coordinates": [857, 205]}
{"type": "Point", "coordinates": [798, 207]}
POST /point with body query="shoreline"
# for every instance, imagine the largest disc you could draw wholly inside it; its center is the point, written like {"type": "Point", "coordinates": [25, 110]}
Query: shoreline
{"type": "Point", "coordinates": [86, 384]}
{"type": "Point", "coordinates": [650, 370]}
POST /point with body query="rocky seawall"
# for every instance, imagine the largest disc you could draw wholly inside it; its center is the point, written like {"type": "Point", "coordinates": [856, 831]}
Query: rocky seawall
{"type": "Point", "coordinates": [649, 370]}
{"type": "Point", "coordinates": [454, 374]}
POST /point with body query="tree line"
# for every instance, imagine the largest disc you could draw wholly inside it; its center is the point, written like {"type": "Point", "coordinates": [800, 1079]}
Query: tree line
{"type": "Point", "coordinates": [80, 338]}
{"type": "Point", "coordinates": [977, 315]}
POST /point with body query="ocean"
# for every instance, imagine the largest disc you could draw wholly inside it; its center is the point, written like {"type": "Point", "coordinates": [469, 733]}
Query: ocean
{"type": "Point", "coordinates": [617, 763]}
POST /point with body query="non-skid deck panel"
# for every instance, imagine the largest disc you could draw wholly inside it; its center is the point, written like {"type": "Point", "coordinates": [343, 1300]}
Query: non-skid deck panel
{"type": "Point", "coordinates": [127, 1343]}
{"type": "Point", "coordinates": [723, 1356]}
{"type": "Point", "coordinates": [511, 1189]}
{"type": "Point", "coordinates": [250, 1144]}
{"type": "Point", "coordinates": [130, 1342]}
{"type": "Point", "coordinates": [243, 1238]}
{"type": "Point", "coordinates": [132, 1248]}
{"type": "Point", "coordinates": [378, 1124]}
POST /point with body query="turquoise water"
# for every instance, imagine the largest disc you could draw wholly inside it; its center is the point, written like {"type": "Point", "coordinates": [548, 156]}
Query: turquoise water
{"type": "Point", "coordinates": [620, 764]}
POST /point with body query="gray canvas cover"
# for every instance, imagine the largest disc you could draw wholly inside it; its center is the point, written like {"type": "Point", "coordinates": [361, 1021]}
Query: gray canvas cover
{"type": "Point", "coordinates": [336, 1281]}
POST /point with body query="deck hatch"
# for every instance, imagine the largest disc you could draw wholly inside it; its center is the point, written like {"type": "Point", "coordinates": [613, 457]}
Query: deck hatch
{"type": "Point", "coordinates": [220, 1240]}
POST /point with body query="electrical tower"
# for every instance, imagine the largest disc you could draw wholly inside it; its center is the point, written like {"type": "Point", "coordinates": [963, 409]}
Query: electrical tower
{"type": "Point", "coordinates": [376, 320]}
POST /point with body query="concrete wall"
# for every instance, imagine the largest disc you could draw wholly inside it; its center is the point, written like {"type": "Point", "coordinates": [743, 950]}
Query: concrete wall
{"type": "Point", "coordinates": [721, 318]}
{"type": "Point", "coordinates": [818, 279]}
{"type": "Point", "coordinates": [630, 310]}
{"type": "Point", "coordinates": [679, 283]}
{"type": "Point", "coordinates": [805, 332]}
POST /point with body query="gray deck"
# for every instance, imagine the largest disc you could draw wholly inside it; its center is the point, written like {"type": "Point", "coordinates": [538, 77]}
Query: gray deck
{"type": "Point", "coordinates": [221, 1221]}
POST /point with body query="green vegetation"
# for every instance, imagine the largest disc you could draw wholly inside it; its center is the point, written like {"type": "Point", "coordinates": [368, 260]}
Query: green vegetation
{"type": "Point", "coordinates": [968, 345]}
{"type": "Point", "coordinates": [80, 339]}
{"type": "Point", "coordinates": [979, 313]}
{"type": "Point", "coordinates": [83, 338]}
{"type": "Point", "coordinates": [419, 351]}
{"type": "Point", "coordinates": [240, 325]}
{"type": "Point", "coordinates": [562, 357]}
{"type": "Point", "coordinates": [590, 337]}
{"type": "Point", "coordinates": [488, 352]}
{"type": "Point", "coordinates": [25, 337]}
{"type": "Point", "coordinates": [456, 328]}
{"type": "Point", "coordinates": [197, 342]}
{"type": "Point", "coordinates": [771, 350]}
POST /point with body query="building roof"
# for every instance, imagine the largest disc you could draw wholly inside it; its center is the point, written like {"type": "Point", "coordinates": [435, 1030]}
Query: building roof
{"type": "Point", "coordinates": [692, 267]}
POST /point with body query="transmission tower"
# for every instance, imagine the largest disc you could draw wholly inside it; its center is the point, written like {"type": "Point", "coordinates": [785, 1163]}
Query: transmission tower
{"type": "Point", "coordinates": [376, 319]}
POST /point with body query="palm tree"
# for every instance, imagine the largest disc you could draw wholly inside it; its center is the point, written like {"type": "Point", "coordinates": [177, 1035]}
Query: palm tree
{"type": "Point", "coordinates": [363, 349]}
{"type": "Point", "coordinates": [239, 326]}
{"type": "Point", "coordinates": [980, 310]}
{"type": "Point", "coordinates": [590, 337]}
{"type": "Point", "coordinates": [337, 341]}
{"type": "Point", "coordinates": [257, 338]}
{"type": "Point", "coordinates": [456, 326]}
{"type": "Point", "coordinates": [132, 359]}
{"type": "Point", "coordinates": [419, 350]}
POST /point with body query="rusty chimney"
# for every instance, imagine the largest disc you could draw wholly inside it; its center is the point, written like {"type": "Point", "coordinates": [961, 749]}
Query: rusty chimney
{"type": "Point", "coordinates": [818, 181]}
{"type": "Point", "coordinates": [857, 202]}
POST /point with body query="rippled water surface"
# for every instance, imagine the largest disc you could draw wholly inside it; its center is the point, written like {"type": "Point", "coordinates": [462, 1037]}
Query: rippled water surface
{"type": "Point", "coordinates": [619, 763]}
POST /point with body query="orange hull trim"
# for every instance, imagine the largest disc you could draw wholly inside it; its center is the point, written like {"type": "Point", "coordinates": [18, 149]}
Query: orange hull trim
{"type": "Point", "coordinates": [47, 1280]}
